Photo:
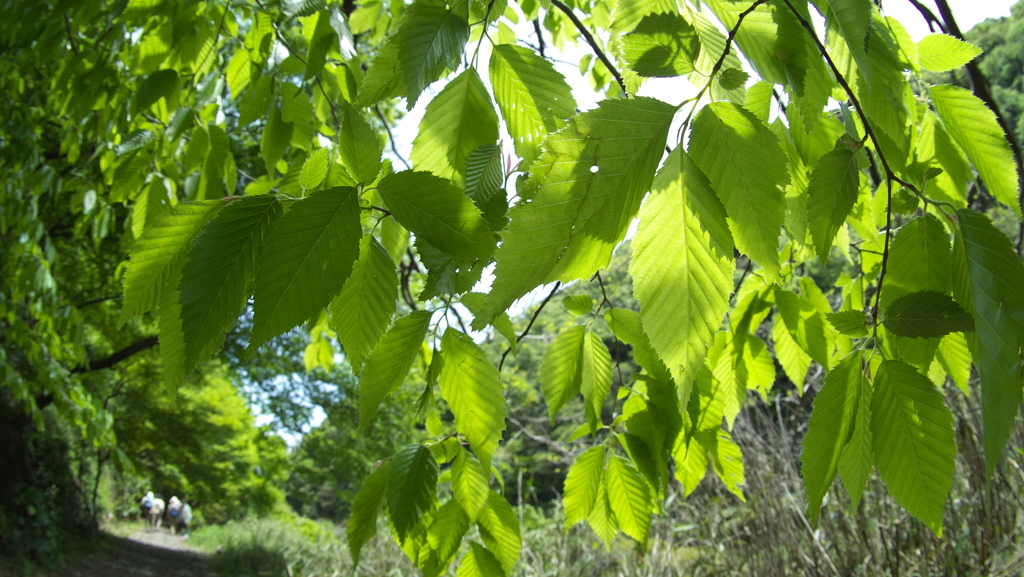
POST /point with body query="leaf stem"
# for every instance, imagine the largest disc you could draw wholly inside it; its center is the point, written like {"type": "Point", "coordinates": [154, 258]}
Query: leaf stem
{"type": "Point", "coordinates": [593, 43]}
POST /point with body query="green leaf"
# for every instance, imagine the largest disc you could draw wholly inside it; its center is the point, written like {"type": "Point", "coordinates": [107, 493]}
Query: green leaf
{"type": "Point", "coordinates": [579, 304]}
{"type": "Point", "coordinates": [362, 523]}
{"type": "Point", "coordinates": [807, 325]}
{"type": "Point", "coordinates": [850, 323]}
{"type": "Point", "coordinates": [412, 480]}
{"type": "Point", "coordinates": [470, 385]}
{"type": "Point", "coordinates": [595, 377]}
{"type": "Point", "coordinates": [856, 460]}
{"type": "Point", "coordinates": [919, 259]}
{"type": "Point", "coordinates": [913, 442]}
{"type": "Point", "coordinates": [314, 169]}
{"type": "Point", "coordinates": [629, 497]}
{"type": "Point", "coordinates": [942, 53]}
{"type": "Point", "coordinates": [628, 13]}
{"type": "Point", "coordinates": [625, 324]}
{"type": "Point", "coordinates": [457, 121]}
{"type": "Point", "coordinates": [308, 256]}
{"type": "Point", "coordinates": [160, 84]}
{"type": "Point", "coordinates": [499, 529]}
{"type": "Point", "coordinates": [561, 369]}
{"type": "Point", "coordinates": [444, 537]}
{"type": "Point", "coordinates": [320, 44]}
{"type": "Point", "coordinates": [276, 135]}
{"type": "Point", "coordinates": [995, 295]}
{"type": "Point", "coordinates": [172, 339]}
{"type": "Point", "coordinates": [681, 275]}
{"type": "Point", "coordinates": [578, 202]}
{"type": "Point", "coordinates": [829, 429]}
{"type": "Point", "coordinates": [431, 39]}
{"type": "Point", "coordinates": [363, 310]}
{"type": "Point", "coordinates": [447, 274]}
{"type": "Point", "coordinates": [485, 178]}
{"type": "Point", "coordinates": [385, 78]}
{"type": "Point", "coordinates": [582, 485]}
{"type": "Point", "coordinates": [926, 314]}
{"type": "Point", "coordinates": [503, 324]}
{"type": "Point", "coordinates": [661, 45]}
{"type": "Point", "coordinates": [434, 209]}
{"type": "Point", "coordinates": [389, 363]}
{"type": "Point", "coordinates": [831, 194]}
{"type": "Point", "coordinates": [358, 145]}
{"type": "Point", "coordinates": [479, 562]}
{"type": "Point", "coordinates": [165, 239]}
{"type": "Point", "coordinates": [794, 360]}
{"type": "Point", "coordinates": [732, 78]}
{"type": "Point", "coordinates": [218, 274]}
{"type": "Point", "coordinates": [691, 463]}
{"type": "Point", "coordinates": [469, 484]}
{"type": "Point", "coordinates": [727, 459]}
{"type": "Point", "coordinates": [973, 126]}
{"type": "Point", "coordinates": [747, 168]}
{"type": "Point", "coordinates": [602, 519]}
{"type": "Point", "coordinates": [239, 74]}
{"type": "Point", "coordinates": [533, 97]}
{"type": "Point", "coordinates": [955, 358]}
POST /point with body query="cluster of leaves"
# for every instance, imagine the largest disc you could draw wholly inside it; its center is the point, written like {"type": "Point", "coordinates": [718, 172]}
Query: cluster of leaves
{"type": "Point", "coordinates": [331, 236]}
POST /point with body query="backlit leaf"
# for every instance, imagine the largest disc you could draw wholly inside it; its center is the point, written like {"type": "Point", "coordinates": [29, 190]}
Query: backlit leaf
{"type": "Point", "coordinates": [457, 121]}
{"type": "Point", "coordinates": [661, 45]}
{"type": "Point", "coordinates": [358, 145]}
{"type": "Point", "coordinates": [942, 52]}
{"type": "Point", "coordinates": [629, 497]}
{"type": "Point", "coordinates": [436, 210]}
{"type": "Point", "coordinates": [831, 194]}
{"type": "Point", "coordinates": [499, 529]}
{"type": "Point", "coordinates": [219, 271]}
{"type": "Point", "coordinates": [583, 484]}
{"type": "Point", "coordinates": [595, 376]}
{"type": "Point", "coordinates": [363, 310]}
{"type": "Point", "coordinates": [577, 204]}
{"type": "Point", "coordinates": [308, 256]}
{"type": "Point", "coordinates": [913, 442]}
{"type": "Point", "coordinates": [389, 363]}
{"type": "Point", "coordinates": [561, 369]}
{"type": "Point", "coordinates": [412, 480]}
{"type": "Point", "coordinates": [362, 523]}
{"type": "Point", "coordinates": [533, 97]}
{"type": "Point", "coordinates": [314, 169]}
{"type": "Point", "coordinates": [470, 385]}
{"type": "Point", "coordinates": [973, 126]}
{"type": "Point", "coordinates": [850, 323]}
{"type": "Point", "coordinates": [829, 429]}
{"type": "Point", "coordinates": [747, 168]}
{"type": "Point", "coordinates": [926, 314]}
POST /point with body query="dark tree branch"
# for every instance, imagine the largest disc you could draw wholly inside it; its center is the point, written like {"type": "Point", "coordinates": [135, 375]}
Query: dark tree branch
{"type": "Point", "coordinates": [532, 320]}
{"type": "Point", "coordinates": [540, 37]}
{"type": "Point", "coordinates": [929, 16]}
{"type": "Point", "coordinates": [117, 357]}
{"type": "Point", "coordinates": [582, 28]}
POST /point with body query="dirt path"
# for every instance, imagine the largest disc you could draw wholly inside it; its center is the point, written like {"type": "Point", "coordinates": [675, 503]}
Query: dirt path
{"type": "Point", "coordinates": [143, 554]}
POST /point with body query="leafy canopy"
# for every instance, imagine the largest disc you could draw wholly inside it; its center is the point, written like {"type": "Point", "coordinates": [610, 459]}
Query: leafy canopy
{"type": "Point", "coordinates": [237, 150]}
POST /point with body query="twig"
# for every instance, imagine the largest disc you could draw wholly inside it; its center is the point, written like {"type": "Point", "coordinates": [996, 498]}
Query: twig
{"type": "Point", "coordinates": [532, 320]}
{"type": "Point", "coordinates": [391, 137]}
{"type": "Point", "coordinates": [604, 294]}
{"type": "Point", "coordinates": [593, 43]}
{"type": "Point", "coordinates": [540, 37]}
{"type": "Point", "coordinates": [556, 447]}
{"type": "Point", "coordinates": [113, 359]}
{"type": "Point", "coordinates": [929, 16]}
{"type": "Point", "coordinates": [71, 37]}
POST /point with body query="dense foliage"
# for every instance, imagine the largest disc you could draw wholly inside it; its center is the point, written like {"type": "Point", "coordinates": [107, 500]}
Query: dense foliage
{"type": "Point", "coordinates": [235, 150]}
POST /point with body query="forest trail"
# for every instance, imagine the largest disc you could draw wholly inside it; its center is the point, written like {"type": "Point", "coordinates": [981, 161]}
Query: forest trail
{"type": "Point", "coordinates": [143, 554]}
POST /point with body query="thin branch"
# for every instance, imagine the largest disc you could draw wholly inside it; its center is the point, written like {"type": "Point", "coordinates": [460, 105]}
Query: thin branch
{"type": "Point", "coordinates": [391, 137]}
{"type": "Point", "coordinates": [929, 16]}
{"type": "Point", "coordinates": [604, 294]}
{"type": "Point", "coordinates": [117, 357]}
{"type": "Point", "coordinates": [540, 37]}
{"type": "Point", "coordinates": [532, 320]}
{"type": "Point", "coordinates": [71, 37]}
{"type": "Point", "coordinates": [582, 28]}
{"type": "Point", "coordinates": [553, 445]}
